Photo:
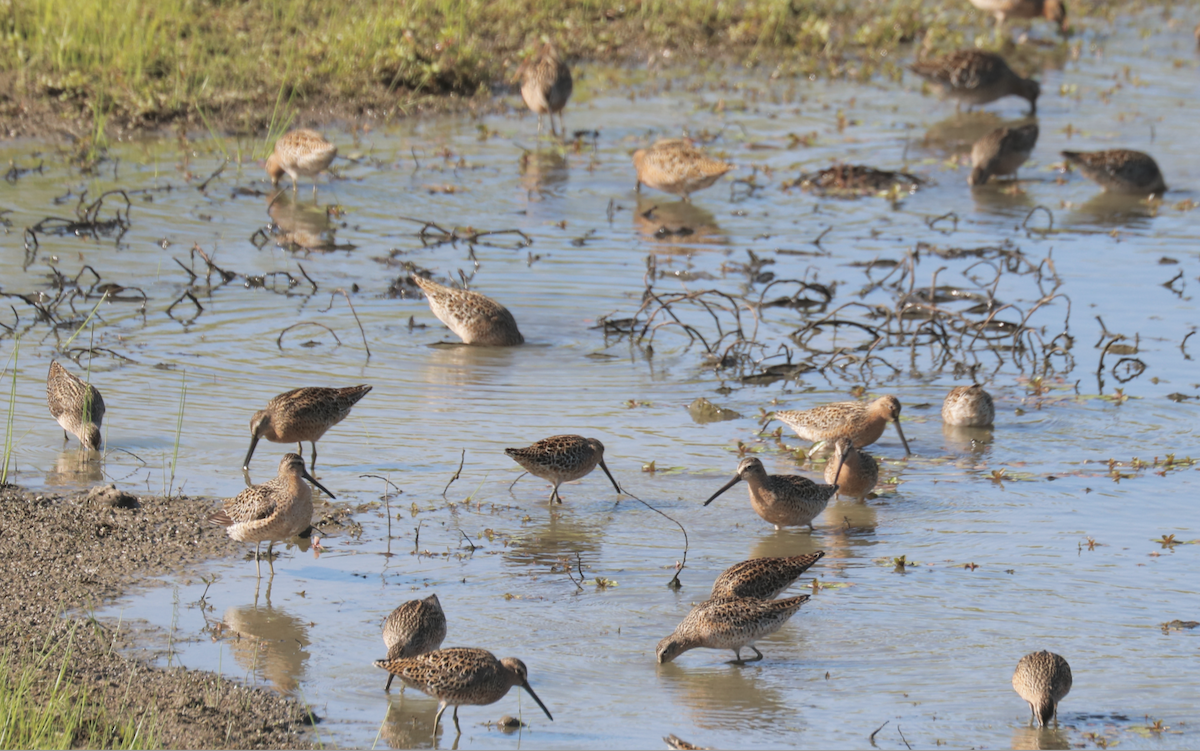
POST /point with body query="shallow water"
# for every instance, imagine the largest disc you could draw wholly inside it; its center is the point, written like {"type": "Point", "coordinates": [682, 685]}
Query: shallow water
{"type": "Point", "coordinates": [1065, 555]}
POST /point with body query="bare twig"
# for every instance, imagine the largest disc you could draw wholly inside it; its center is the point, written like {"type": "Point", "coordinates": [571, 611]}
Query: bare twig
{"type": "Point", "coordinates": [457, 472]}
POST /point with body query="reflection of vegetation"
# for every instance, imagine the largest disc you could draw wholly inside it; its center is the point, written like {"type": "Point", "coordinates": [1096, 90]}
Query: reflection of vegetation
{"type": "Point", "coordinates": [157, 60]}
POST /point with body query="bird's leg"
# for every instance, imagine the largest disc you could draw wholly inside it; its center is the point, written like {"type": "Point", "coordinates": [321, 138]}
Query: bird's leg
{"type": "Point", "coordinates": [438, 718]}
{"type": "Point", "coordinates": [759, 657]}
{"type": "Point", "coordinates": [388, 687]}
{"type": "Point", "coordinates": [314, 458]}
{"type": "Point", "coordinates": [66, 437]}
{"type": "Point", "coordinates": [539, 126]}
{"type": "Point", "coordinates": [737, 660]}
{"type": "Point", "coordinates": [257, 563]}
{"type": "Point", "coordinates": [300, 448]}
{"type": "Point", "coordinates": [270, 560]}
{"type": "Point", "coordinates": [638, 188]}
{"type": "Point", "coordinates": [456, 727]}
{"type": "Point", "coordinates": [554, 496]}
{"type": "Point", "coordinates": [1032, 713]}
{"type": "Point", "coordinates": [553, 131]}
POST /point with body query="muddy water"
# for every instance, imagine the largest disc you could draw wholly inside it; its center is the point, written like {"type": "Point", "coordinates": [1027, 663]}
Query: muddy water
{"type": "Point", "coordinates": [1015, 540]}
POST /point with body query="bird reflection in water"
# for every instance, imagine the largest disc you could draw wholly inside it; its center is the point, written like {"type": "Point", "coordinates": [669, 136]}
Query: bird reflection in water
{"type": "Point", "coordinates": [268, 642]}
{"type": "Point", "coordinates": [718, 697]}
{"type": "Point", "coordinates": [543, 172]}
{"type": "Point", "coordinates": [409, 721]}
{"type": "Point", "coordinates": [301, 226]}
{"type": "Point", "coordinates": [75, 467]}
{"type": "Point", "coordinates": [1034, 738]}
{"type": "Point", "coordinates": [676, 227]}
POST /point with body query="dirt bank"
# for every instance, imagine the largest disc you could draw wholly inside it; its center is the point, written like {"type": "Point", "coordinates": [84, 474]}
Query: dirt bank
{"type": "Point", "coordinates": [61, 556]}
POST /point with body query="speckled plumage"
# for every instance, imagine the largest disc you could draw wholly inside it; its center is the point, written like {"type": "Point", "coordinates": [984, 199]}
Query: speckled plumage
{"type": "Point", "coordinates": [762, 578]}
{"type": "Point", "coordinates": [278, 509]}
{"type": "Point", "coordinates": [461, 675]}
{"type": "Point", "coordinates": [854, 471]}
{"type": "Point", "coordinates": [782, 500]}
{"type": "Point", "coordinates": [1119, 170]}
{"type": "Point", "coordinates": [969, 407]}
{"type": "Point", "coordinates": [546, 85]}
{"type": "Point", "coordinates": [1042, 679]}
{"type": "Point", "coordinates": [861, 422]}
{"type": "Point", "coordinates": [977, 77]}
{"type": "Point", "coordinates": [562, 458]}
{"type": "Point", "coordinates": [729, 624]}
{"type": "Point", "coordinates": [300, 153]}
{"type": "Point", "coordinates": [414, 628]}
{"type": "Point", "coordinates": [474, 318]}
{"type": "Point", "coordinates": [302, 414]}
{"type": "Point", "coordinates": [1053, 10]}
{"type": "Point", "coordinates": [77, 406]}
{"type": "Point", "coordinates": [675, 166]}
{"type": "Point", "coordinates": [1001, 152]}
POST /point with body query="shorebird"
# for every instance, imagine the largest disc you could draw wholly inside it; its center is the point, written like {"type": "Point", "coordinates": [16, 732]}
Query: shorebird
{"type": "Point", "coordinates": [76, 405]}
{"type": "Point", "coordinates": [782, 500]}
{"type": "Point", "coordinates": [414, 628]}
{"type": "Point", "coordinates": [762, 578]}
{"type": "Point", "coordinates": [977, 77]}
{"type": "Point", "coordinates": [562, 458]}
{"type": "Point", "coordinates": [729, 624]}
{"type": "Point", "coordinates": [1001, 152]}
{"type": "Point", "coordinates": [854, 471]}
{"type": "Point", "coordinates": [300, 153]}
{"type": "Point", "coordinates": [969, 407]}
{"type": "Point", "coordinates": [675, 166]}
{"type": "Point", "coordinates": [476, 319]}
{"type": "Point", "coordinates": [461, 675]}
{"type": "Point", "coordinates": [861, 422]}
{"type": "Point", "coordinates": [546, 86]}
{"type": "Point", "coordinates": [1042, 679]}
{"type": "Point", "coordinates": [278, 509]}
{"type": "Point", "coordinates": [1053, 10]}
{"type": "Point", "coordinates": [1120, 170]}
{"type": "Point", "coordinates": [302, 415]}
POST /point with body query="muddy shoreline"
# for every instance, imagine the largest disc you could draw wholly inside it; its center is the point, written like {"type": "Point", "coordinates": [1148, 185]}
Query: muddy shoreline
{"type": "Point", "coordinates": [62, 556]}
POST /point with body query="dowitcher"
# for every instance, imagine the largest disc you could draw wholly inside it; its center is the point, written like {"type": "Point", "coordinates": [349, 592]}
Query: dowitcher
{"type": "Point", "coordinates": [782, 500]}
{"type": "Point", "coordinates": [1053, 10]}
{"type": "Point", "coordinates": [414, 628]}
{"type": "Point", "coordinates": [476, 319]}
{"type": "Point", "coordinates": [729, 624]}
{"type": "Point", "coordinates": [300, 153]}
{"type": "Point", "coordinates": [1120, 170]}
{"type": "Point", "coordinates": [461, 675]}
{"type": "Point", "coordinates": [546, 86]}
{"type": "Point", "coordinates": [675, 166]}
{"type": "Point", "coordinates": [76, 405]}
{"type": "Point", "coordinates": [1042, 679]}
{"type": "Point", "coordinates": [762, 578]}
{"type": "Point", "coordinates": [278, 509]}
{"type": "Point", "coordinates": [861, 422]}
{"type": "Point", "coordinates": [562, 458]}
{"type": "Point", "coordinates": [969, 407]}
{"type": "Point", "coordinates": [302, 415]}
{"type": "Point", "coordinates": [977, 77]}
{"type": "Point", "coordinates": [1001, 152]}
{"type": "Point", "coordinates": [858, 473]}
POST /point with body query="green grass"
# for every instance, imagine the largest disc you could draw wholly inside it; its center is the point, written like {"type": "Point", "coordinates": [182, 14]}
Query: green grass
{"type": "Point", "coordinates": [152, 61]}
{"type": "Point", "coordinates": [41, 706]}
{"type": "Point", "coordinates": [9, 441]}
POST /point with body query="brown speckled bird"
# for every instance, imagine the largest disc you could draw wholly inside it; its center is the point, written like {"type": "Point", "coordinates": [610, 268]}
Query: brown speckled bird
{"type": "Point", "coordinates": [969, 407]}
{"type": "Point", "coordinates": [300, 153]}
{"type": "Point", "coordinates": [546, 86]}
{"type": "Point", "coordinates": [562, 458]}
{"type": "Point", "coordinates": [977, 77]}
{"type": "Point", "coordinates": [762, 578]}
{"type": "Point", "coordinates": [861, 422]}
{"type": "Point", "coordinates": [278, 509]}
{"type": "Point", "coordinates": [729, 624]}
{"type": "Point", "coordinates": [1053, 10]}
{"type": "Point", "coordinates": [414, 628]}
{"type": "Point", "coordinates": [476, 319]}
{"type": "Point", "coordinates": [1119, 170]}
{"type": "Point", "coordinates": [675, 166]}
{"type": "Point", "coordinates": [77, 406]}
{"type": "Point", "coordinates": [782, 500]}
{"type": "Point", "coordinates": [1042, 679]}
{"type": "Point", "coordinates": [858, 474]}
{"type": "Point", "coordinates": [1001, 152]}
{"type": "Point", "coordinates": [302, 415]}
{"type": "Point", "coordinates": [461, 675]}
